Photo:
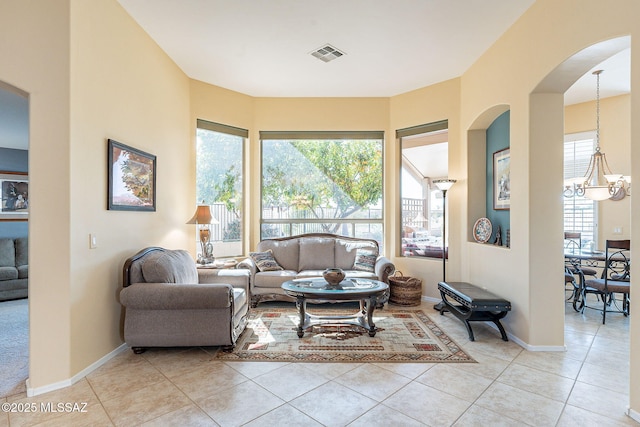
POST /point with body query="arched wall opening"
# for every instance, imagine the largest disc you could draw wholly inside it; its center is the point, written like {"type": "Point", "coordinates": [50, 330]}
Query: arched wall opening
{"type": "Point", "coordinates": [546, 132]}
{"type": "Point", "coordinates": [14, 306]}
{"type": "Point", "coordinates": [477, 167]}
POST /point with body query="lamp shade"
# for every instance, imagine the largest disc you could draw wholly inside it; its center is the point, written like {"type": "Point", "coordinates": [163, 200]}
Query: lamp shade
{"type": "Point", "coordinates": [444, 184]}
{"type": "Point", "coordinates": [203, 216]}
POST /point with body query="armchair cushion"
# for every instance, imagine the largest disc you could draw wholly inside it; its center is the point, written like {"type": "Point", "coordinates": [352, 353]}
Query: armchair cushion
{"type": "Point", "coordinates": [169, 266]}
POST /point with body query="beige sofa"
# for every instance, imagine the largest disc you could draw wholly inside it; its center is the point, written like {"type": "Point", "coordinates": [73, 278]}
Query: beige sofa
{"type": "Point", "coordinates": [170, 303]}
{"type": "Point", "coordinates": [308, 255]}
{"type": "Point", "coordinates": [14, 268]}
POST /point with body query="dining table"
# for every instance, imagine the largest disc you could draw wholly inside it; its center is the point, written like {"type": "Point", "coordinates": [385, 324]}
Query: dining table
{"type": "Point", "coordinates": [591, 259]}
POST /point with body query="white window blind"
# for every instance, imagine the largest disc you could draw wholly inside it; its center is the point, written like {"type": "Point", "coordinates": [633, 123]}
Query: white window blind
{"type": "Point", "coordinates": [580, 213]}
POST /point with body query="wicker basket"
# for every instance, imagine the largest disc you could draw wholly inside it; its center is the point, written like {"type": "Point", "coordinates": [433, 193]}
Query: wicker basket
{"type": "Point", "coordinates": [404, 290]}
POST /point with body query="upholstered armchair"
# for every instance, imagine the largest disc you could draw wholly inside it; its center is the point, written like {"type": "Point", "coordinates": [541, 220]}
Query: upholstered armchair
{"type": "Point", "coordinates": [168, 302]}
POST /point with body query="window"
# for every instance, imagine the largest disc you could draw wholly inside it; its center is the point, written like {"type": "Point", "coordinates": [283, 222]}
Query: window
{"type": "Point", "coordinates": [580, 214]}
{"type": "Point", "coordinates": [424, 158]}
{"type": "Point", "coordinates": [322, 182]}
{"type": "Point", "coordinates": [219, 170]}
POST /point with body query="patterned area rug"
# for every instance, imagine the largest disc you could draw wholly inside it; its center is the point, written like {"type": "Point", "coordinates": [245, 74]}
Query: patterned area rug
{"type": "Point", "coordinates": [403, 335]}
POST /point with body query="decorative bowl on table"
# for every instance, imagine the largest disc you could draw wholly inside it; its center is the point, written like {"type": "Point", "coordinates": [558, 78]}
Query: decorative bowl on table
{"type": "Point", "coordinates": [333, 276]}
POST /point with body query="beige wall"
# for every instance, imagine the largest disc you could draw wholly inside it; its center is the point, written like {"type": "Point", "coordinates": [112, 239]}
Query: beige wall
{"type": "Point", "coordinates": [91, 74]}
{"type": "Point", "coordinates": [615, 142]}
{"type": "Point", "coordinates": [36, 60]}
{"type": "Point", "coordinates": [219, 105]}
{"type": "Point", "coordinates": [123, 87]}
{"type": "Point", "coordinates": [548, 34]}
{"type": "Point", "coordinates": [422, 106]}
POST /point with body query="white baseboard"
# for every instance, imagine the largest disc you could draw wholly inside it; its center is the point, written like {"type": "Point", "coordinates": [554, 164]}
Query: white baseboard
{"type": "Point", "coordinates": [35, 391]}
{"type": "Point", "coordinates": [530, 347]}
{"type": "Point", "coordinates": [512, 337]}
{"type": "Point", "coordinates": [634, 415]}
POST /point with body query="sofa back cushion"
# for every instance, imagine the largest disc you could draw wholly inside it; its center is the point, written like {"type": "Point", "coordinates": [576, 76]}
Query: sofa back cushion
{"type": "Point", "coordinates": [317, 253]}
{"type": "Point", "coordinates": [7, 253]}
{"type": "Point", "coordinates": [22, 251]}
{"type": "Point", "coordinates": [346, 251]}
{"type": "Point", "coordinates": [169, 266]}
{"type": "Point", "coordinates": [285, 252]}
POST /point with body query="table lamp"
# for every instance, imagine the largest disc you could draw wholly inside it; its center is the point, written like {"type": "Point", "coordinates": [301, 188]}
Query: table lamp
{"type": "Point", "coordinates": [203, 219]}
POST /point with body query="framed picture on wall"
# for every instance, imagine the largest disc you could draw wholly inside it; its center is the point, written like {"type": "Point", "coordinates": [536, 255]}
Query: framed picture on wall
{"type": "Point", "coordinates": [14, 196]}
{"type": "Point", "coordinates": [132, 178]}
{"type": "Point", "coordinates": [502, 179]}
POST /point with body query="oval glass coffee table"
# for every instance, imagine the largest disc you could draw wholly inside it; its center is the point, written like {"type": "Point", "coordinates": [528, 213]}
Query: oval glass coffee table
{"type": "Point", "coordinates": [366, 291]}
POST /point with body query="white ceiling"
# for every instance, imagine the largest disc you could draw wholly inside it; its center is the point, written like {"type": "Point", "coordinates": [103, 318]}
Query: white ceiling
{"type": "Point", "coordinates": [262, 48]}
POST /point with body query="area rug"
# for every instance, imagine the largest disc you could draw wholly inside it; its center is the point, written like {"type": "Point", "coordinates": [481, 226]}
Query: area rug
{"type": "Point", "coordinates": [403, 335]}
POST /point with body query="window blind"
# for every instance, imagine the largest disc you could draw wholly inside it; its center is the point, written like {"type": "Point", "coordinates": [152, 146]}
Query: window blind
{"type": "Point", "coordinates": [580, 213]}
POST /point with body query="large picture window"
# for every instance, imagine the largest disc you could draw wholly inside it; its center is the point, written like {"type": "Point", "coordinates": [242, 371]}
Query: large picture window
{"type": "Point", "coordinates": [424, 159]}
{"type": "Point", "coordinates": [580, 213]}
{"type": "Point", "coordinates": [322, 182]}
{"type": "Point", "coordinates": [219, 181]}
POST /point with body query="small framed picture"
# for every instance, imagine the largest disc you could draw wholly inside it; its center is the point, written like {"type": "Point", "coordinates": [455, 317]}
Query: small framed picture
{"type": "Point", "coordinates": [132, 178]}
{"type": "Point", "coordinates": [502, 180]}
{"type": "Point", "coordinates": [14, 196]}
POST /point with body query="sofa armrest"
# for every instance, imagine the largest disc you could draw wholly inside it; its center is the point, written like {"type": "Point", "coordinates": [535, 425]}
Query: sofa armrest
{"type": "Point", "coordinates": [238, 278]}
{"type": "Point", "coordinates": [248, 264]}
{"type": "Point", "coordinates": [384, 268]}
{"type": "Point", "coordinates": [173, 296]}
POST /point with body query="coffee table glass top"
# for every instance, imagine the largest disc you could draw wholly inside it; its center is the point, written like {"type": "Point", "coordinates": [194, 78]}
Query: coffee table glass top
{"type": "Point", "coordinates": [320, 286]}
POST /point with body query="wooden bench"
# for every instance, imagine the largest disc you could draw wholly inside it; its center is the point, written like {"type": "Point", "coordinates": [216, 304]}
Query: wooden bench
{"type": "Point", "coordinates": [473, 304]}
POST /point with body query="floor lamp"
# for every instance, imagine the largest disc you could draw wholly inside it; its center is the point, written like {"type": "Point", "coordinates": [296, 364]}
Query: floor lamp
{"type": "Point", "coordinates": [443, 185]}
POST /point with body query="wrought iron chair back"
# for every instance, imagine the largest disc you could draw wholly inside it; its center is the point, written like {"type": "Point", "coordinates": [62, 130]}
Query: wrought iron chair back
{"type": "Point", "coordinates": [572, 240]}
{"type": "Point", "coordinates": [573, 267]}
{"type": "Point", "coordinates": [615, 279]}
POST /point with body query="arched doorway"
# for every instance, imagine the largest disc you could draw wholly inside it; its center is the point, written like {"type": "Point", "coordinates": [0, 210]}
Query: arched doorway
{"type": "Point", "coordinates": [567, 80]}
{"type": "Point", "coordinates": [14, 165]}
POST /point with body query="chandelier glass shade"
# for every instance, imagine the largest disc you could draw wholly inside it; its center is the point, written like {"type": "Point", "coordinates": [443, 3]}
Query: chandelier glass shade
{"type": "Point", "coordinates": [599, 183]}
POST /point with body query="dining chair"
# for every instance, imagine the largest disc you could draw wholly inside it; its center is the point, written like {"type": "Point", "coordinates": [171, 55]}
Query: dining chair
{"type": "Point", "coordinates": [615, 279]}
{"type": "Point", "coordinates": [573, 242]}
{"type": "Point", "coordinates": [574, 267]}
{"type": "Point", "coordinates": [571, 285]}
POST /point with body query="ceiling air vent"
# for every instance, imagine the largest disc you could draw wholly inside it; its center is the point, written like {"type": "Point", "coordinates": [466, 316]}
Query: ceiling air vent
{"type": "Point", "coordinates": [327, 53]}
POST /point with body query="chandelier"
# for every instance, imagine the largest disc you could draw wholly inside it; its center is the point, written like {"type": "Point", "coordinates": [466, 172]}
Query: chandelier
{"type": "Point", "coordinates": [599, 183]}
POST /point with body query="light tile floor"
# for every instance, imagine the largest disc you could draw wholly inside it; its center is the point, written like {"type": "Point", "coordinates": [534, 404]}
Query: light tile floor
{"type": "Point", "coordinates": [507, 387]}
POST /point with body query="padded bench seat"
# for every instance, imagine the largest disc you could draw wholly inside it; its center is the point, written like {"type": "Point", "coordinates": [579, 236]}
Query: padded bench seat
{"type": "Point", "coordinates": [473, 304]}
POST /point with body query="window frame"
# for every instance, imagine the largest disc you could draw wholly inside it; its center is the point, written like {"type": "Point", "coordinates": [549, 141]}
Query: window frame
{"type": "Point", "coordinates": [202, 124]}
{"type": "Point", "coordinates": [428, 207]}
{"type": "Point", "coordinates": [329, 136]}
{"type": "Point", "coordinates": [574, 138]}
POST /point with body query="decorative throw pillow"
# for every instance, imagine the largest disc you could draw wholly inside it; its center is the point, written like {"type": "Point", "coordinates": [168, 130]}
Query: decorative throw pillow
{"type": "Point", "coordinates": [265, 261]}
{"type": "Point", "coordinates": [365, 260]}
